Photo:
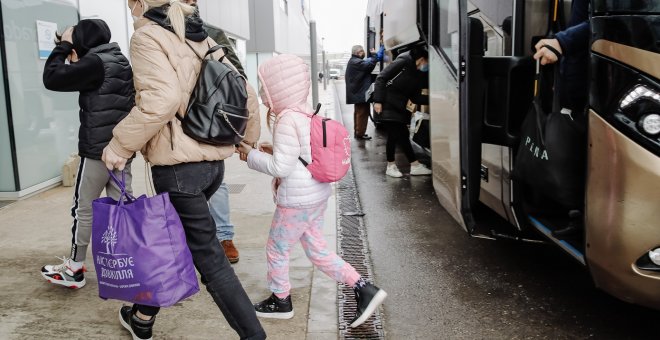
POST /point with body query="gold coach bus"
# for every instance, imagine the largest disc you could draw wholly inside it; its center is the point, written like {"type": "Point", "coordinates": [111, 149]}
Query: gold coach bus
{"type": "Point", "coordinates": [480, 85]}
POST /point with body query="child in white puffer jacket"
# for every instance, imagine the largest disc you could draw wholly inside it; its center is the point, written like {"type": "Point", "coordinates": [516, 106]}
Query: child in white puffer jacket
{"type": "Point", "coordinates": [301, 200]}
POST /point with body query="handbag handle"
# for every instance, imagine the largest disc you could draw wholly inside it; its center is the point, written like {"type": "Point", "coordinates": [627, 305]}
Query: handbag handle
{"type": "Point", "coordinates": [122, 186]}
{"type": "Point", "coordinates": [540, 114]}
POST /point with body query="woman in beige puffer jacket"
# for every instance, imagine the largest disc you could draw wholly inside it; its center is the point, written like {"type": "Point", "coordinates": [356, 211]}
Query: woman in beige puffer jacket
{"type": "Point", "coordinates": [165, 72]}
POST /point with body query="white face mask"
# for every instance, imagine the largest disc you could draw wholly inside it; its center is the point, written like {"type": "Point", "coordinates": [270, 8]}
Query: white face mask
{"type": "Point", "coordinates": [135, 17]}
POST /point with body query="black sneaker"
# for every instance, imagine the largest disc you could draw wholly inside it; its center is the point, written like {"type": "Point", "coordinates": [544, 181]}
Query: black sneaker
{"type": "Point", "coordinates": [368, 297]}
{"type": "Point", "coordinates": [275, 308]}
{"type": "Point", "coordinates": [140, 329]}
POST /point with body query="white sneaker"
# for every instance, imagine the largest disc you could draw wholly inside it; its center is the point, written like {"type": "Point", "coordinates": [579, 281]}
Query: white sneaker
{"type": "Point", "coordinates": [393, 171]}
{"type": "Point", "coordinates": [420, 170]}
{"type": "Point", "coordinates": [63, 274]}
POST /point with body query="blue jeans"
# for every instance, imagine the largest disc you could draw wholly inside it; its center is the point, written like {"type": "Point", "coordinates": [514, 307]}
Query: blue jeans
{"type": "Point", "coordinates": [219, 207]}
{"type": "Point", "coordinates": [190, 185]}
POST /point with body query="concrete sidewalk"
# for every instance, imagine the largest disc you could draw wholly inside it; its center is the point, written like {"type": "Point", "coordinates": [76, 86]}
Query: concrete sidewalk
{"type": "Point", "coordinates": [35, 230]}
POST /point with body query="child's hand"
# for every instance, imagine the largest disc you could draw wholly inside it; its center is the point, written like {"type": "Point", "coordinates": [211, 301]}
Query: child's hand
{"type": "Point", "coordinates": [266, 147]}
{"type": "Point", "coordinates": [244, 148]}
{"type": "Point", "coordinates": [242, 156]}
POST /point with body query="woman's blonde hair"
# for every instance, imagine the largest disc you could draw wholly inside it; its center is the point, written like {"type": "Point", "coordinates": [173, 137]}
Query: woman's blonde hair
{"type": "Point", "coordinates": [176, 14]}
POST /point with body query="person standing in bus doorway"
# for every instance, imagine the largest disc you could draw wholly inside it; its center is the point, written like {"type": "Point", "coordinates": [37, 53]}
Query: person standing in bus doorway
{"type": "Point", "coordinates": [399, 82]}
{"type": "Point", "coordinates": [358, 80]}
{"type": "Point", "coordinates": [571, 48]}
{"type": "Point", "coordinates": [103, 76]}
{"type": "Point", "coordinates": [219, 202]}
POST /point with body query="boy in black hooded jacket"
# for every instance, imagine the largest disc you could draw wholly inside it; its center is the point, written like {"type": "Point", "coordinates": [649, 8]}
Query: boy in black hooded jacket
{"type": "Point", "coordinates": [101, 73]}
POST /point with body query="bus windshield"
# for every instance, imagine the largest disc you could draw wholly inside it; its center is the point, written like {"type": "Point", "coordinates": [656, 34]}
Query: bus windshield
{"type": "Point", "coordinates": [627, 6]}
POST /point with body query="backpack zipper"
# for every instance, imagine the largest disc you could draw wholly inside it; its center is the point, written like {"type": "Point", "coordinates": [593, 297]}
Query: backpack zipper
{"type": "Point", "coordinates": [325, 143]}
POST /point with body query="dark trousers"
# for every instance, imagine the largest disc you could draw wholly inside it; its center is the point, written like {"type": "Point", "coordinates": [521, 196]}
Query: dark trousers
{"type": "Point", "coordinates": [361, 118]}
{"type": "Point", "coordinates": [398, 134]}
{"type": "Point", "coordinates": [574, 82]}
{"type": "Point", "coordinates": [190, 185]}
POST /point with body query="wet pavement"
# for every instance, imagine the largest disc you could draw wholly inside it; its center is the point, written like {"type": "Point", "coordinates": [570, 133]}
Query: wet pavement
{"type": "Point", "coordinates": [442, 284]}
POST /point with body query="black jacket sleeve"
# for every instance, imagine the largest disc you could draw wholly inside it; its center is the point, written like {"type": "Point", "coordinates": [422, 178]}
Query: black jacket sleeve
{"type": "Point", "coordinates": [84, 75]}
{"type": "Point", "coordinates": [574, 39]}
{"type": "Point", "coordinates": [388, 73]}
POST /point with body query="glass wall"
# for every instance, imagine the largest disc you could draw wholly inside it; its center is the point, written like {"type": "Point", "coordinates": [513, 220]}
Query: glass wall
{"type": "Point", "coordinates": [45, 122]}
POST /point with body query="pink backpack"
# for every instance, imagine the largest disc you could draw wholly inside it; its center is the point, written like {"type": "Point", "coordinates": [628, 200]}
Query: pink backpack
{"type": "Point", "coordinates": [331, 149]}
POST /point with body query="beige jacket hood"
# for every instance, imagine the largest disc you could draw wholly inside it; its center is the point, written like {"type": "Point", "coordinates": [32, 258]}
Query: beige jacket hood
{"type": "Point", "coordinates": [165, 71]}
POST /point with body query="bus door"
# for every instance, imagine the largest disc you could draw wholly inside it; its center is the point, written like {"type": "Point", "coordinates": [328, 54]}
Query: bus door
{"type": "Point", "coordinates": [494, 92]}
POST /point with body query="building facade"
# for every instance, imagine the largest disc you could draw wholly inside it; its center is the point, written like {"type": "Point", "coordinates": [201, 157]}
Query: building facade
{"type": "Point", "coordinates": [39, 128]}
{"type": "Point", "coordinates": [277, 26]}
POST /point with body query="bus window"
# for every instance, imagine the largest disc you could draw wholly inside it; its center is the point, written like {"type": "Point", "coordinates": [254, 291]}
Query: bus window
{"type": "Point", "coordinates": [497, 16]}
{"type": "Point", "coordinates": [444, 35]}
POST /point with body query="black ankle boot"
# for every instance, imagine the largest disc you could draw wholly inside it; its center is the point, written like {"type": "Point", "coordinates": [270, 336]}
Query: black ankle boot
{"type": "Point", "coordinates": [368, 297]}
{"type": "Point", "coordinates": [140, 329]}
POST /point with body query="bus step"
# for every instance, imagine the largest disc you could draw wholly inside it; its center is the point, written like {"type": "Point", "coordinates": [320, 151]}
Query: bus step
{"type": "Point", "coordinates": [569, 248]}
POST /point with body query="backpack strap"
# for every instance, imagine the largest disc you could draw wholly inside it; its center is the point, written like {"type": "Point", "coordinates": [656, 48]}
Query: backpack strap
{"type": "Point", "coordinates": [318, 108]}
{"type": "Point", "coordinates": [212, 49]}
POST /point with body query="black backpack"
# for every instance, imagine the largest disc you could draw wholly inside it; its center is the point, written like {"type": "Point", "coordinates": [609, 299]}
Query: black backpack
{"type": "Point", "coordinates": [217, 112]}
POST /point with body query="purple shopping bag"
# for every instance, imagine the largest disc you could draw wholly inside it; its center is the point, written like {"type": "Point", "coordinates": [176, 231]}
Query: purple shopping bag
{"type": "Point", "coordinates": [139, 250]}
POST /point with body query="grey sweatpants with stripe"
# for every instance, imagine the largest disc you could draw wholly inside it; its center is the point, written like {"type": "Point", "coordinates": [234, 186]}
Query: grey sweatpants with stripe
{"type": "Point", "coordinates": [92, 178]}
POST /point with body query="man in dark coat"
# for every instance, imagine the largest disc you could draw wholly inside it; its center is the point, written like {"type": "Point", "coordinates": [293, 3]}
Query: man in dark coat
{"type": "Point", "coordinates": [358, 80]}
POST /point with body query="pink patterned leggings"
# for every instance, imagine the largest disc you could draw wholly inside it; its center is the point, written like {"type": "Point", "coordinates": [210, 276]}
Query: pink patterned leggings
{"type": "Point", "coordinates": [291, 225]}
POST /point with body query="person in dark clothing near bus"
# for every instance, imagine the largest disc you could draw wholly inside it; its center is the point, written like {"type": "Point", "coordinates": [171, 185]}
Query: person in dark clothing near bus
{"type": "Point", "coordinates": [397, 84]}
{"type": "Point", "coordinates": [103, 76]}
{"type": "Point", "coordinates": [571, 48]}
{"type": "Point", "coordinates": [358, 80]}
{"type": "Point", "coordinates": [572, 45]}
